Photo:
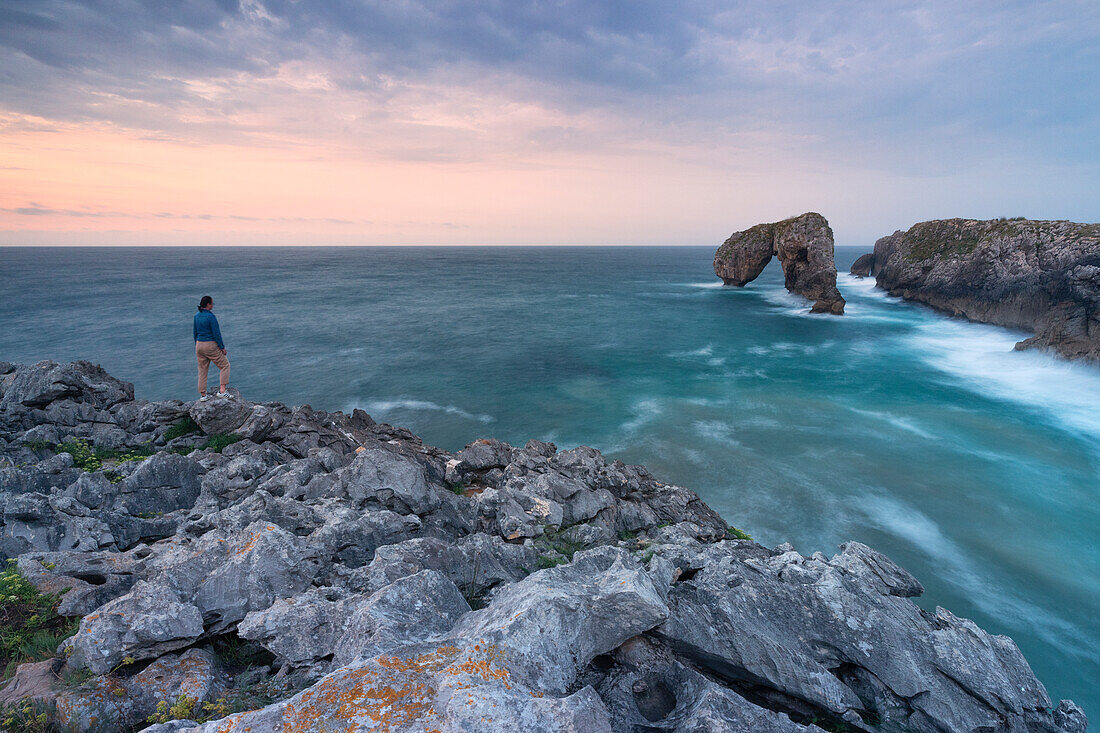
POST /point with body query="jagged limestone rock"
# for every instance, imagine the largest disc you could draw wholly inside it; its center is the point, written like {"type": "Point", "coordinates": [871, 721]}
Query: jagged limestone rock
{"type": "Point", "coordinates": [341, 545]}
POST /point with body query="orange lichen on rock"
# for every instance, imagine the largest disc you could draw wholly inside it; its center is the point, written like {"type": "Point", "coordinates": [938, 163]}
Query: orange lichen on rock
{"type": "Point", "coordinates": [253, 538]}
{"type": "Point", "coordinates": [391, 692]}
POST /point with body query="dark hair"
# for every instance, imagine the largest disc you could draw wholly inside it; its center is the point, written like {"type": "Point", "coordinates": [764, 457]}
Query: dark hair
{"type": "Point", "coordinates": [205, 301]}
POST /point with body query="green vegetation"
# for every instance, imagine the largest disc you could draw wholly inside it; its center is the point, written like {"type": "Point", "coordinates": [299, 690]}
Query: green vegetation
{"type": "Point", "coordinates": [26, 716]}
{"type": "Point", "coordinates": [87, 458]}
{"type": "Point", "coordinates": [236, 653]}
{"type": "Point", "coordinates": [459, 488]}
{"type": "Point", "coordinates": [552, 561]}
{"type": "Point", "coordinates": [185, 707]}
{"type": "Point", "coordinates": [185, 426]}
{"type": "Point", "coordinates": [735, 534]}
{"type": "Point", "coordinates": [38, 444]}
{"type": "Point", "coordinates": [220, 442]}
{"type": "Point", "coordinates": [552, 540]}
{"type": "Point", "coordinates": [75, 679]}
{"type": "Point", "coordinates": [937, 244]}
{"type": "Point", "coordinates": [251, 690]}
{"type": "Point", "coordinates": [626, 536]}
{"type": "Point", "coordinates": [30, 629]}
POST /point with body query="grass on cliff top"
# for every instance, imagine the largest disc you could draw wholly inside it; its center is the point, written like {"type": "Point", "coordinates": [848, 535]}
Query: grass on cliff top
{"type": "Point", "coordinates": [944, 238]}
{"type": "Point", "coordinates": [938, 243]}
{"type": "Point", "coordinates": [30, 628]}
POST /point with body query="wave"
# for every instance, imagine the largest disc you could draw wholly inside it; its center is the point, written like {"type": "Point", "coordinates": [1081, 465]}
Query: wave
{"type": "Point", "coordinates": [645, 411]}
{"type": "Point", "coordinates": [707, 350]}
{"type": "Point", "coordinates": [982, 359]}
{"type": "Point", "coordinates": [716, 430]}
{"type": "Point", "coordinates": [906, 522]}
{"type": "Point", "coordinates": [384, 407]}
{"type": "Point", "coordinates": [785, 348]}
{"type": "Point", "coordinates": [902, 423]}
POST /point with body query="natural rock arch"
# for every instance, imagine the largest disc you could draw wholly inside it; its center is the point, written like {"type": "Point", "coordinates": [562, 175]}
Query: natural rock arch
{"type": "Point", "coordinates": [804, 246]}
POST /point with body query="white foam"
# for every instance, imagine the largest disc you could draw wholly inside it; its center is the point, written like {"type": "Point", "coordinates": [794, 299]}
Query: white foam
{"type": "Point", "coordinates": [982, 359]}
{"type": "Point", "coordinates": [384, 407]}
{"type": "Point", "coordinates": [903, 423]}
{"type": "Point", "coordinates": [705, 285]}
{"type": "Point", "coordinates": [707, 350]}
{"type": "Point", "coordinates": [786, 347]}
{"type": "Point", "coordinates": [716, 430]}
{"type": "Point", "coordinates": [645, 411]}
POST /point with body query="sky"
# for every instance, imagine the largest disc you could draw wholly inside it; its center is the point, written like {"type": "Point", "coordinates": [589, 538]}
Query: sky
{"type": "Point", "coordinates": [538, 122]}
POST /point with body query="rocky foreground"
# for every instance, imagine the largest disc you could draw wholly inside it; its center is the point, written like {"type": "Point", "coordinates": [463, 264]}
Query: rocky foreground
{"type": "Point", "coordinates": [804, 246]}
{"type": "Point", "coordinates": [386, 585]}
{"type": "Point", "coordinates": [1039, 276]}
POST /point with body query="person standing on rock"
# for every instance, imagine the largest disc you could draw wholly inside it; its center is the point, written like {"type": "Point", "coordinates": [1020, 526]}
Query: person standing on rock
{"type": "Point", "coordinates": [209, 347]}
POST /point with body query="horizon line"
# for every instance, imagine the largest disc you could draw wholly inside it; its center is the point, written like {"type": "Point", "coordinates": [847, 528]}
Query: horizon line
{"type": "Point", "coordinates": [4, 245]}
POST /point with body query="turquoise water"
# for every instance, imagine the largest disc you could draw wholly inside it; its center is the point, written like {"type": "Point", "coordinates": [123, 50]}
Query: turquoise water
{"type": "Point", "coordinates": [973, 466]}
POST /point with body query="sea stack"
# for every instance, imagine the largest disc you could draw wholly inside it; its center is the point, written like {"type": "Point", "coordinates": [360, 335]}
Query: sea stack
{"type": "Point", "coordinates": [1039, 276]}
{"type": "Point", "coordinates": [804, 246]}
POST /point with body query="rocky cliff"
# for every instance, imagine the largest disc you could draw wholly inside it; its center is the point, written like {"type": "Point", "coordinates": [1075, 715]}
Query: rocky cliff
{"type": "Point", "coordinates": [804, 246]}
{"type": "Point", "coordinates": [1039, 276]}
{"type": "Point", "coordinates": [268, 568]}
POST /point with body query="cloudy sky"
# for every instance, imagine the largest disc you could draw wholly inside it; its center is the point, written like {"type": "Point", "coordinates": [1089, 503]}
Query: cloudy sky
{"type": "Point", "coordinates": [538, 122]}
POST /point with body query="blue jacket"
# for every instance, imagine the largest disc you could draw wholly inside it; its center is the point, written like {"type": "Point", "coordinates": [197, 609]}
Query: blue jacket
{"type": "Point", "coordinates": [206, 328]}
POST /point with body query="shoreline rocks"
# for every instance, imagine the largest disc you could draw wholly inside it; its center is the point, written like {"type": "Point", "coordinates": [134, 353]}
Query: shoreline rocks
{"type": "Point", "coordinates": [1038, 276]}
{"type": "Point", "coordinates": [804, 246]}
{"type": "Point", "coordinates": [379, 584]}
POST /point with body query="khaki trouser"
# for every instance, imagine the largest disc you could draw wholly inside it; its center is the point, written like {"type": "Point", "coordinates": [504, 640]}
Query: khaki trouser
{"type": "Point", "coordinates": [206, 352]}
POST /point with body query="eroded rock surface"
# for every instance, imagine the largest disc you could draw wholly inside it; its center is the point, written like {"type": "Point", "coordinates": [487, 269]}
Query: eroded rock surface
{"type": "Point", "coordinates": [1038, 276]}
{"type": "Point", "coordinates": [392, 586]}
{"type": "Point", "coordinates": [804, 246]}
{"type": "Point", "coordinates": [864, 265]}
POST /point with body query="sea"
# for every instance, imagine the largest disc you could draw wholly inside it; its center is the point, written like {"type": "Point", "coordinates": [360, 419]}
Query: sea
{"type": "Point", "coordinates": [974, 466]}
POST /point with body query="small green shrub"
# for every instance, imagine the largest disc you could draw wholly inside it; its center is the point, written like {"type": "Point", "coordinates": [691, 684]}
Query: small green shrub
{"type": "Point", "coordinates": [184, 426]}
{"type": "Point", "coordinates": [30, 628]}
{"type": "Point", "coordinates": [220, 441]}
{"type": "Point", "coordinates": [84, 456]}
{"type": "Point", "coordinates": [87, 458]}
{"type": "Point", "coordinates": [459, 488]}
{"type": "Point", "coordinates": [736, 534]}
{"type": "Point", "coordinates": [182, 708]}
{"type": "Point", "coordinates": [26, 716]}
{"type": "Point", "coordinates": [38, 444]}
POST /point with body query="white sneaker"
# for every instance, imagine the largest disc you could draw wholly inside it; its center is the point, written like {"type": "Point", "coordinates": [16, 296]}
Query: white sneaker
{"type": "Point", "coordinates": [225, 395]}
{"type": "Point", "coordinates": [204, 398]}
